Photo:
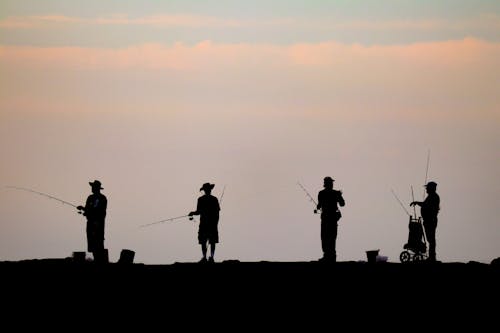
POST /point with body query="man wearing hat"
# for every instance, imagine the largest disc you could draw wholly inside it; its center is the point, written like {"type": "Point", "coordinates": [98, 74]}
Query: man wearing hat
{"type": "Point", "coordinates": [429, 209]}
{"type": "Point", "coordinates": [95, 212]}
{"type": "Point", "coordinates": [328, 201]}
{"type": "Point", "coordinates": [208, 208]}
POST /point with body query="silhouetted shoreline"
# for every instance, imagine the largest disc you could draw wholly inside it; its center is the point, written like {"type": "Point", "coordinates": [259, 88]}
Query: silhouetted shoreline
{"type": "Point", "coordinates": [260, 290]}
{"type": "Point", "coordinates": [362, 276]}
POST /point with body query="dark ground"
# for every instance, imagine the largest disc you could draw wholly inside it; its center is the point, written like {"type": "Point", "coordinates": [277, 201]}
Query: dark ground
{"type": "Point", "coordinates": [254, 295]}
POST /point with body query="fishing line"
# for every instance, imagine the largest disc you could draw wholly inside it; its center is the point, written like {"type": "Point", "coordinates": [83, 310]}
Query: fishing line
{"type": "Point", "coordinates": [42, 194]}
{"type": "Point", "coordinates": [404, 208]}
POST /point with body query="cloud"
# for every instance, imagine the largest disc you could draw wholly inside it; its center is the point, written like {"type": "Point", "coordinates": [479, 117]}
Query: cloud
{"type": "Point", "coordinates": [33, 22]}
{"type": "Point", "coordinates": [444, 53]}
{"type": "Point", "coordinates": [452, 78]}
{"type": "Point", "coordinates": [206, 55]}
{"type": "Point", "coordinates": [489, 21]}
{"type": "Point", "coordinates": [159, 21]}
{"type": "Point", "coordinates": [484, 22]}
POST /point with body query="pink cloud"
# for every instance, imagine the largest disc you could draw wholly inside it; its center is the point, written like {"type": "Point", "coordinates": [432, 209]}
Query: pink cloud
{"type": "Point", "coordinates": [206, 54]}
{"type": "Point", "coordinates": [144, 56]}
{"type": "Point", "coordinates": [31, 22]}
{"type": "Point", "coordinates": [489, 22]}
{"type": "Point", "coordinates": [162, 21]}
{"type": "Point", "coordinates": [447, 53]}
{"type": "Point", "coordinates": [451, 78]}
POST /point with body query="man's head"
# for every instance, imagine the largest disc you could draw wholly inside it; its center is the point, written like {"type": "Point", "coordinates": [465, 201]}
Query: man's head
{"type": "Point", "coordinates": [207, 187]}
{"type": "Point", "coordinates": [430, 187]}
{"type": "Point", "coordinates": [96, 186]}
{"type": "Point", "coordinates": [328, 182]}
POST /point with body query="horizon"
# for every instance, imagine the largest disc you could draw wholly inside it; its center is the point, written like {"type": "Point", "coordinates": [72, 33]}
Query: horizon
{"type": "Point", "coordinates": [155, 99]}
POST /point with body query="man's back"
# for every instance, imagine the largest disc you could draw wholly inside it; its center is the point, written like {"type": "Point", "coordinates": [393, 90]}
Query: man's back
{"type": "Point", "coordinates": [328, 201]}
{"type": "Point", "coordinates": [430, 206]}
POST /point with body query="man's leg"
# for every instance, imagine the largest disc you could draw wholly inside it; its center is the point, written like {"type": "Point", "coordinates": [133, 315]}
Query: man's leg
{"type": "Point", "coordinates": [212, 252]}
{"type": "Point", "coordinates": [328, 238]}
{"type": "Point", "coordinates": [333, 236]}
{"type": "Point", "coordinates": [324, 238]}
{"type": "Point", "coordinates": [204, 250]}
{"type": "Point", "coordinates": [98, 251]}
{"type": "Point", "coordinates": [430, 233]}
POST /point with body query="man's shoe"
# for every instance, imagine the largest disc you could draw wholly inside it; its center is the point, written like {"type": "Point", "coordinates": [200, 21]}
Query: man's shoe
{"type": "Point", "coordinates": [211, 260]}
{"type": "Point", "coordinates": [203, 260]}
{"type": "Point", "coordinates": [328, 259]}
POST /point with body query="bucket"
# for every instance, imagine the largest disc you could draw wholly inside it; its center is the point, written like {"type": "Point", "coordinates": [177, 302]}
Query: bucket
{"type": "Point", "coordinates": [126, 257]}
{"type": "Point", "coordinates": [372, 256]}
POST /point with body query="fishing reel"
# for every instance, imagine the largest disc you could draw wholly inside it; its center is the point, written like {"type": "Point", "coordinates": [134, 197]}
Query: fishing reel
{"type": "Point", "coordinates": [318, 211]}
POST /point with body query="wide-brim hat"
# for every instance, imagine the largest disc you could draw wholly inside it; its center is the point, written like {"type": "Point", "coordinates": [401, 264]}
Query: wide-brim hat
{"type": "Point", "coordinates": [96, 183]}
{"type": "Point", "coordinates": [431, 184]}
{"type": "Point", "coordinates": [207, 186]}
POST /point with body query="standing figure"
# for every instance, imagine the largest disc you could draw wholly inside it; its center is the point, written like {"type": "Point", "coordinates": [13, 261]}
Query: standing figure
{"type": "Point", "coordinates": [95, 212]}
{"type": "Point", "coordinates": [328, 201]}
{"type": "Point", "coordinates": [208, 208]}
{"type": "Point", "coordinates": [429, 209]}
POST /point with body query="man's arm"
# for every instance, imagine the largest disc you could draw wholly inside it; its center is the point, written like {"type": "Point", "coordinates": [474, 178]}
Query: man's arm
{"type": "Point", "coordinates": [341, 199]}
{"type": "Point", "coordinates": [82, 209]}
{"type": "Point", "coordinates": [197, 211]}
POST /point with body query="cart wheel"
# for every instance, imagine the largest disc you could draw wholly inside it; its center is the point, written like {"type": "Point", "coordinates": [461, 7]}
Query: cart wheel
{"type": "Point", "coordinates": [418, 257]}
{"type": "Point", "coordinates": [405, 257]}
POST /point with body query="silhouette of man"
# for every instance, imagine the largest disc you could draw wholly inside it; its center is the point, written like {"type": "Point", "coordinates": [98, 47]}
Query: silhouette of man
{"type": "Point", "coordinates": [429, 209]}
{"type": "Point", "coordinates": [95, 212]}
{"type": "Point", "coordinates": [328, 199]}
{"type": "Point", "coordinates": [208, 208]}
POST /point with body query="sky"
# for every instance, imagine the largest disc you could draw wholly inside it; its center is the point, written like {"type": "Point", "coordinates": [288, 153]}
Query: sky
{"type": "Point", "coordinates": [156, 98]}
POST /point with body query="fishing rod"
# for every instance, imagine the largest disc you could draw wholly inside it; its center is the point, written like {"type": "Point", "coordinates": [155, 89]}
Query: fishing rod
{"type": "Point", "coordinates": [44, 195]}
{"type": "Point", "coordinates": [427, 169]}
{"type": "Point", "coordinates": [397, 198]}
{"type": "Point", "coordinates": [310, 197]}
{"type": "Point", "coordinates": [191, 218]}
{"type": "Point", "coordinates": [166, 220]}
{"type": "Point", "coordinates": [222, 196]}
{"type": "Point", "coordinates": [413, 199]}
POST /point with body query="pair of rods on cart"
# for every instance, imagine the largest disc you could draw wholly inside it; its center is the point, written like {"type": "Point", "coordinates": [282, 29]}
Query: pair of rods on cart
{"type": "Point", "coordinates": [411, 187]}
